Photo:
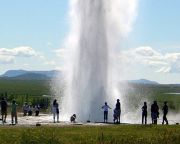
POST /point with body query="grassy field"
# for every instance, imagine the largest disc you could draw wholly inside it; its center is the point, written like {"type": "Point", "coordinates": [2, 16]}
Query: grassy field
{"type": "Point", "coordinates": [23, 87]}
{"type": "Point", "coordinates": [114, 134]}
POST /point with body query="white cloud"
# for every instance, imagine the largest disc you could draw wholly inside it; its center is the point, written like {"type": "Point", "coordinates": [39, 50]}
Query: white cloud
{"type": "Point", "coordinates": [146, 52]}
{"type": "Point", "coordinates": [164, 63]}
{"type": "Point", "coordinates": [45, 60]}
{"type": "Point", "coordinates": [25, 57]}
{"type": "Point", "coordinates": [8, 55]}
{"type": "Point", "coordinates": [62, 53]}
{"type": "Point", "coordinates": [164, 70]}
{"type": "Point", "coordinates": [23, 51]}
{"type": "Point", "coordinates": [6, 59]}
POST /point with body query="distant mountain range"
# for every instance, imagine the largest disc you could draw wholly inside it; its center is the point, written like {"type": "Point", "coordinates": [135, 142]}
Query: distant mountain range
{"type": "Point", "coordinates": [143, 81]}
{"type": "Point", "coordinates": [46, 75]}
{"type": "Point", "coordinates": [30, 75]}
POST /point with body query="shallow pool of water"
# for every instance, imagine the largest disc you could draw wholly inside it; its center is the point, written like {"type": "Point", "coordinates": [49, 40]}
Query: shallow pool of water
{"type": "Point", "coordinates": [173, 93]}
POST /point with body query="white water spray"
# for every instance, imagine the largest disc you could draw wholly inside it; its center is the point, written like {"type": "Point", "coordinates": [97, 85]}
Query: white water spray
{"type": "Point", "coordinates": [96, 29]}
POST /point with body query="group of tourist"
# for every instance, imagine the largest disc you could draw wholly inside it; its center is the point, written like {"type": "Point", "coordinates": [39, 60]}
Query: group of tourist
{"type": "Point", "coordinates": [154, 113]}
{"type": "Point", "coordinates": [27, 110]}
{"type": "Point", "coordinates": [4, 106]}
{"type": "Point", "coordinates": [105, 107]}
{"type": "Point", "coordinates": [117, 112]}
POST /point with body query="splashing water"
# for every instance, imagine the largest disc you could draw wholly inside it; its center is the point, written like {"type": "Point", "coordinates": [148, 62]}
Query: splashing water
{"type": "Point", "coordinates": [96, 29]}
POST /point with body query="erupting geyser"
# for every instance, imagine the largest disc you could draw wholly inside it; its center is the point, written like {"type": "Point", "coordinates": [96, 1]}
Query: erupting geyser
{"type": "Point", "coordinates": [89, 83]}
{"type": "Point", "coordinates": [97, 26]}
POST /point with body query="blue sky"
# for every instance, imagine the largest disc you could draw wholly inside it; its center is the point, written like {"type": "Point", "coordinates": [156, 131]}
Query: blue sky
{"type": "Point", "coordinates": [33, 22]}
{"type": "Point", "coordinates": [157, 26]}
{"type": "Point", "coordinates": [157, 23]}
{"type": "Point", "coordinates": [40, 26]}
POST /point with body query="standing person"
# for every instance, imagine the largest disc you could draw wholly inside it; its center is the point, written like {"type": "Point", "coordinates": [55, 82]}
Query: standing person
{"type": "Point", "coordinates": [4, 106]}
{"type": "Point", "coordinates": [118, 108]}
{"type": "Point", "coordinates": [165, 112]}
{"type": "Point", "coordinates": [154, 112]}
{"type": "Point", "coordinates": [55, 110]}
{"type": "Point", "coordinates": [105, 107]}
{"type": "Point", "coordinates": [144, 113]}
{"type": "Point", "coordinates": [14, 112]}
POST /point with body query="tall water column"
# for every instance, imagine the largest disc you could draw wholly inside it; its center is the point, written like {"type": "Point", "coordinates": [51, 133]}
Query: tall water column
{"type": "Point", "coordinates": [96, 29]}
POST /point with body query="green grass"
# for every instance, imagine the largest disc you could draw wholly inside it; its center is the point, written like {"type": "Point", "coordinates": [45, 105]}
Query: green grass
{"type": "Point", "coordinates": [116, 134]}
{"type": "Point", "coordinates": [23, 87]}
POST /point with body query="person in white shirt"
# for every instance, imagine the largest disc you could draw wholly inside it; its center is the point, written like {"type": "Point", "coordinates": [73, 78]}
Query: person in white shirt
{"type": "Point", "coordinates": [105, 108]}
{"type": "Point", "coordinates": [55, 110]}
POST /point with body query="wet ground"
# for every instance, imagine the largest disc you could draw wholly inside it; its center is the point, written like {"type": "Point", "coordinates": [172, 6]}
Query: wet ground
{"type": "Point", "coordinates": [47, 119]}
{"type": "Point", "coordinates": [42, 119]}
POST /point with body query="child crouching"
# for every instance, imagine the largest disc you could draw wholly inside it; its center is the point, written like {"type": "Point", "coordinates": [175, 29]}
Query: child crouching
{"type": "Point", "coordinates": [73, 118]}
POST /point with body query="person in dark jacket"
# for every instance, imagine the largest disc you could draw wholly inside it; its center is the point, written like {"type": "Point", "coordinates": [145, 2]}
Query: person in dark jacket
{"type": "Point", "coordinates": [4, 106]}
{"type": "Point", "coordinates": [144, 113]}
{"type": "Point", "coordinates": [115, 115]}
{"type": "Point", "coordinates": [118, 108]}
{"type": "Point", "coordinates": [154, 112]}
{"type": "Point", "coordinates": [165, 112]}
{"type": "Point", "coordinates": [73, 118]}
{"type": "Point", "coordinates": [14, 112]}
